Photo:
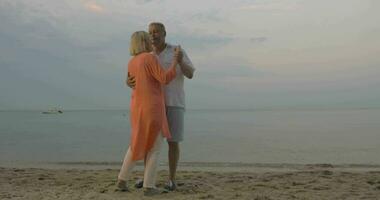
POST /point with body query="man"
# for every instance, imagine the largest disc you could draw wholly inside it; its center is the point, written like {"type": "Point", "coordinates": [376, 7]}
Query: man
{"type": "Point", "coordinates": [174, 94]}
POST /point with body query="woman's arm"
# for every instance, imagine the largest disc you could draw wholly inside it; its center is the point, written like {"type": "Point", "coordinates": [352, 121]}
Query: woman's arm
{"type": "Point", "coordinates": [158, 72]}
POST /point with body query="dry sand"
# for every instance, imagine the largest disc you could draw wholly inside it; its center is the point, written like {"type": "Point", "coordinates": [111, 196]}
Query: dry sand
{"type": "Point", "coordinates": [308, 183]}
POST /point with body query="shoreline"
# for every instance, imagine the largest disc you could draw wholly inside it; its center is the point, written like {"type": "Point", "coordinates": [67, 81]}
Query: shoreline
{"type": "Point", "coordinates": [197, 166]}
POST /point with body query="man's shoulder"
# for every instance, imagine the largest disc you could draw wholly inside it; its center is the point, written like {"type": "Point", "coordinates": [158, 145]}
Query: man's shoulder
{"type": "Point", "coordinates": [170, 46]}
{"type": "Point", "coordinates": [168, 49]}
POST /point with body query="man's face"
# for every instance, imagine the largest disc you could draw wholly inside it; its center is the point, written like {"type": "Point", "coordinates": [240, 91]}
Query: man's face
{"type": "Point", "coordinates": [157, 35]}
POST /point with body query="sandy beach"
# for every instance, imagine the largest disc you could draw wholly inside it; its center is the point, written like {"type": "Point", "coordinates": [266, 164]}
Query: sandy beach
{"type": "Point", "coordinates": [309, 182]}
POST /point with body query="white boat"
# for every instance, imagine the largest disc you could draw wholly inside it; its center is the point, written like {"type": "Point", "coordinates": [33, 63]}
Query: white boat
{"type": "Point", "coordinates": [53, 111]}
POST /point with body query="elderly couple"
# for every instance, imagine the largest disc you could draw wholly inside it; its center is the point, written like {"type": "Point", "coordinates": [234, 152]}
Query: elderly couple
{"type": "Point", "coordinates": [156, 75]}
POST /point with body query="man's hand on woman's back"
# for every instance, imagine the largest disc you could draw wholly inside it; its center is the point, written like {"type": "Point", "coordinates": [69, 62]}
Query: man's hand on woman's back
{"type": "Point", "coordinates": [131, 82]}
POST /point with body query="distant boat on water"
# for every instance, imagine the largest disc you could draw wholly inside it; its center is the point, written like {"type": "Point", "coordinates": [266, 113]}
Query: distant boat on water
{"type": "Point", "coordinates": [53, 111]}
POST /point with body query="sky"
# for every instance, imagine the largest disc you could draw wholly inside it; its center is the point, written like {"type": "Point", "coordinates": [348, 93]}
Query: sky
{"type": "Point", "coordinates": [247, 54]}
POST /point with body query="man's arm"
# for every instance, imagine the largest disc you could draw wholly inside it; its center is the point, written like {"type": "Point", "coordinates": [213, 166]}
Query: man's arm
{"type": "Point", "coordinates": [131, 82]}
{"type": "Point", "coordinates": [187, 70]}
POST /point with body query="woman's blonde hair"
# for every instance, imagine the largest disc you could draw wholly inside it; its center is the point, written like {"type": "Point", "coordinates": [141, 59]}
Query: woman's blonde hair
{"type": "Point", "coordinates": [140, 43]}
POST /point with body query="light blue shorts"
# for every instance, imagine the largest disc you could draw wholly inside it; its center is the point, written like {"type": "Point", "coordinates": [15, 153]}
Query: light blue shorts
{"type": "Point", "coordinates": [175, 116]}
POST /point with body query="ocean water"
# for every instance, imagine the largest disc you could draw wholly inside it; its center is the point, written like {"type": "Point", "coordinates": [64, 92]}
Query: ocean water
{"type": "Point", "coordinates": [335, 136]}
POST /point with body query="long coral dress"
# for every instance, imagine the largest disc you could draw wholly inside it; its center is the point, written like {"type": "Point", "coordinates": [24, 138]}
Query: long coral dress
{"type": "Point", "coordinates": [148, 115]}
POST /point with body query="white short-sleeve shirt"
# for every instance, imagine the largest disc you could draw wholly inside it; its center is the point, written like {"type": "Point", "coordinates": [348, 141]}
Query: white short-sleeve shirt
{"type": "Point", "coordinates": [174, 91]}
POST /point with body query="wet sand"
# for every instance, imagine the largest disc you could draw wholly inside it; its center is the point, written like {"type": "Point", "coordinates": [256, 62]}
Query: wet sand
{"type": "Point", "coordinates": [309, 182]}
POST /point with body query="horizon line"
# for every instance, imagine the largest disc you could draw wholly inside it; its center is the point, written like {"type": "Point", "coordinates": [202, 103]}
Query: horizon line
{"type": "Point", "coordinates": [213, 109]}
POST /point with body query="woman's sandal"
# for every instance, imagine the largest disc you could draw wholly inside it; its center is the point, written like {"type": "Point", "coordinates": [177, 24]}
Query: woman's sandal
{"type": "Point", "coordinates": [139, 184]}
{"type": "Point", "coordinates": [121, 186]}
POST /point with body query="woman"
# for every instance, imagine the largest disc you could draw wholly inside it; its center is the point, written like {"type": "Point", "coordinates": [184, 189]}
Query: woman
{"type": "Point", "coordinates": [148, 116]}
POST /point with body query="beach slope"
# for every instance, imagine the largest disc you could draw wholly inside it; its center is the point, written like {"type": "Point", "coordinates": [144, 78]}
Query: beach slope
{"type": "Point", "coordinates": [308, 183]}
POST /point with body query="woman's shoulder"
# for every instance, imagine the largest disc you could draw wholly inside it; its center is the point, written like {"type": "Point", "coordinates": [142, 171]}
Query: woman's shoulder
{"type": "Point", "coordinates": [142, 57]}
{"type": "Point", "coordinates": [147, 55]}
{"type": "Point", "coordinates": [148, 58]}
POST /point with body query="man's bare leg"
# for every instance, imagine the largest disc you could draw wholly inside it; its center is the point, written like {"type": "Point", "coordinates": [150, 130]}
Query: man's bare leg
{"type": "Point", "coordinates": [173, 155]}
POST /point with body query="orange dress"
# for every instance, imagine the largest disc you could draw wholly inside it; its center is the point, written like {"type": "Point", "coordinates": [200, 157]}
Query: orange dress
{"type": "Point", "coordinates": [148, 115]}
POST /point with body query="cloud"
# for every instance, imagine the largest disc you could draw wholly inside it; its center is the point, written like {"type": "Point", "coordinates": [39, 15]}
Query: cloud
{"type": "Point", "coordinates": [223, 66]}
{"type": "Point", "coordinates": [237, 71]}
{"type": "Point", "coordinates": [283, 6]}
{"type": "Point", "coordinates": [143, 1]}
{"type": "Point", "coordinates": [258, 39]}
{"type": "Point", "coordinates": [94, 7]}
{"type": "Point", "coordinates": [197, 41]}
{"type": "Point", "coordinates": [45, 43]}
{"type": "Point", "coordinates": [209, 16]}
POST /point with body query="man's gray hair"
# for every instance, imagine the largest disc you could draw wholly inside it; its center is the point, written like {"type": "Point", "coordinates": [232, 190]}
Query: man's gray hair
{"type": "Point", "coordinates": [160, 25]}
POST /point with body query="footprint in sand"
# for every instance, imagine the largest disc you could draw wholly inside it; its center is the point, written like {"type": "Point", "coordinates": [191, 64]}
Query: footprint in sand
{"type": "Point", "coordinates": [209, 196]}
{"type": "Point", "coordinates": [321, 188]}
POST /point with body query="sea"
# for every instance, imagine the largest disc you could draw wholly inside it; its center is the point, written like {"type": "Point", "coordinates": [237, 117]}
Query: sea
{"type": "Point", "coordinates": [273, 137]}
